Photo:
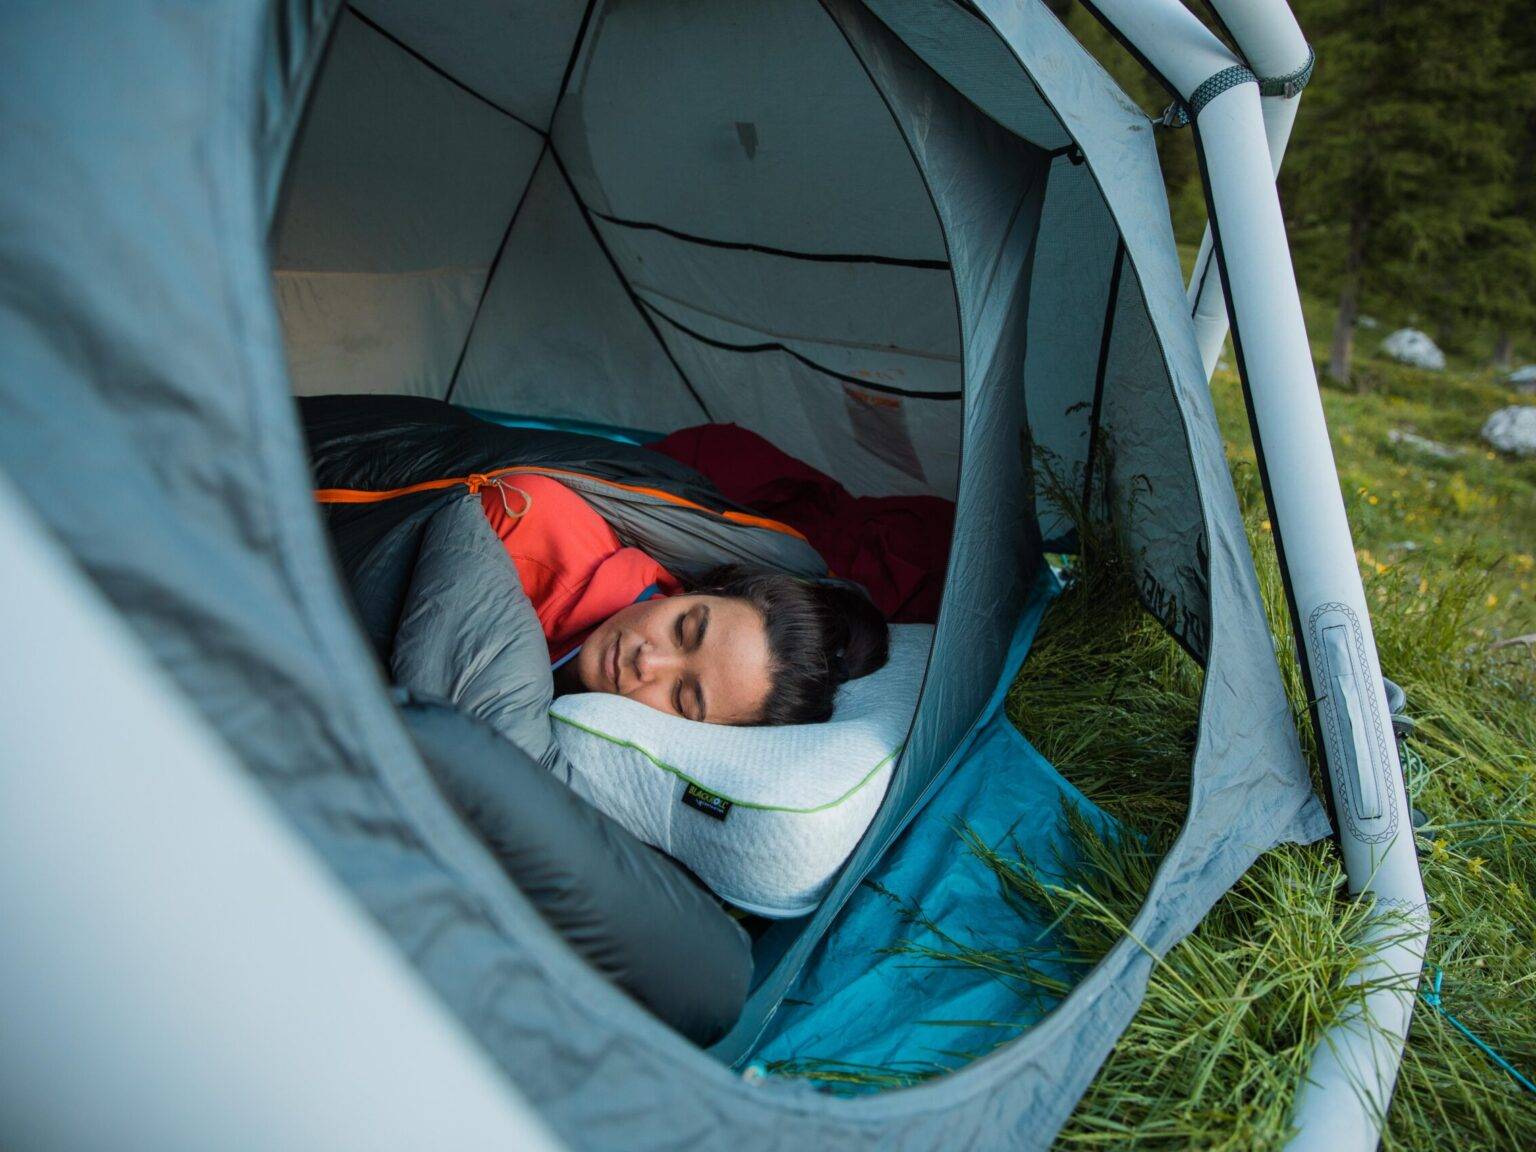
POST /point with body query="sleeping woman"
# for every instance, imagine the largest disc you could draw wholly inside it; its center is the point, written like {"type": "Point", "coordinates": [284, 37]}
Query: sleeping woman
{"type": "Point", "coordinates": [733, 647]}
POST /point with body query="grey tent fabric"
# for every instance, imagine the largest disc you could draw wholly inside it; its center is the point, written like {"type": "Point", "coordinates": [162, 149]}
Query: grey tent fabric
{"type": "Point", "coordinates": [557, 312]}
{"type": "Point", "coordinates": [393, 218]}
{"type": "Point", "coordinates": [145, 413]}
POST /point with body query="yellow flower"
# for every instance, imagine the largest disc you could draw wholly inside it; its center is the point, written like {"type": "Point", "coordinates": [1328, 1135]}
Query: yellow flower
{"type": "Point", "coordinates": [1475, 866]}
{"type": "Point", "coordinates": [1266, 526]}
{"type": "Point", "coordinates": [1492, 601]}
{"type": "Point", "coordinates": [1437, 850]}
{"type": "Point", "coordinates": [1423, 585]}
{"type": "Point", "coordinates": [1373, 500]}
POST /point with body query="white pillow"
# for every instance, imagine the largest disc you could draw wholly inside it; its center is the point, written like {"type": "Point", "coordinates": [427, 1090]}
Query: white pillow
{"type": "Point", "coordinates": [764, 816]}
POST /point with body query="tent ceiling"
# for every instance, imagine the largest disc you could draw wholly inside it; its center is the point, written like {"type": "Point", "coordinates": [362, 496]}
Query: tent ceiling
{"type": "Point", "coordinates": [723, 224]}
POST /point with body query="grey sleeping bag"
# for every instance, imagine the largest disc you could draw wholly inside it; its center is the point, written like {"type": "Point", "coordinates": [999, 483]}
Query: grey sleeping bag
{"type": "Point", "coordinates": [469, 651]}
{"type": "Point", "coordinates": [468, 634]}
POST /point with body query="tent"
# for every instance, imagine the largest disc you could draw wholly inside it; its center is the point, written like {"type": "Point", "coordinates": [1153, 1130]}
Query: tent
{"type": "Point", "coordinates": [923, 245]}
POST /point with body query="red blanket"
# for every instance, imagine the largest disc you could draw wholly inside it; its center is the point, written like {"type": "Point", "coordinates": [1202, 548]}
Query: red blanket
{"type": "Point", "coordinates": [896, 546]}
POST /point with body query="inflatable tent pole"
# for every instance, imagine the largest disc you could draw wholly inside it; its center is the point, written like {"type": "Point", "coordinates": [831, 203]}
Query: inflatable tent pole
{"type": "Point", "coordinates": [179, 973]}
{"type": "Point", "coordinates": [1343, 1100]}
{"type": "Point", "coordinates": [1273, 47]}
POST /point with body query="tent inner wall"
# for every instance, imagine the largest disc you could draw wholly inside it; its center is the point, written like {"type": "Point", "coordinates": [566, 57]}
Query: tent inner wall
{"type": "Point", "coordinates": [711, 217]}
{"type": "Point", "coordinates": [1095, 371]}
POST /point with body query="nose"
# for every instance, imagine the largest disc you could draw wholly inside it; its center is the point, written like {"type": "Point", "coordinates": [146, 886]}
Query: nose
{"type": "Point", "coordinates": [653, 663]}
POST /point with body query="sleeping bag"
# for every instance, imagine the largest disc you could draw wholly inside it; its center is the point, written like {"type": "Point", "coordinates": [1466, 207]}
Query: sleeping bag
{"type": "Point", "coordinates": [626, 908]}
{"type": "Point", "coordinates": [399, 481]}
{"type": "Point", "coordinates": [384, 464]}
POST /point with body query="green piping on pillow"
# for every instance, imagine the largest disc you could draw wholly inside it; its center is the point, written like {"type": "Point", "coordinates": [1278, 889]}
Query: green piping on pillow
{"type": "Point", "coordinates": [681, 775]}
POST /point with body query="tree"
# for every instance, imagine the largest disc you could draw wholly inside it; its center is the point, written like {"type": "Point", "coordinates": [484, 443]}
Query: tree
{"type": "Point", "coordinates": [1397, 159]}
{"type": "Point", "coordinates": [1492, 286]}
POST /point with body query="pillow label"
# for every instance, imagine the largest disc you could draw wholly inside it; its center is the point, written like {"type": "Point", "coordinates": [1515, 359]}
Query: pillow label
{"type": "Point", "coordinates": [708, 803]}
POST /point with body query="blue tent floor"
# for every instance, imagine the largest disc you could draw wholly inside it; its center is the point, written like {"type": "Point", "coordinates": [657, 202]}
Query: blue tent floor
{"type": "Point", "coordinates": [886, 996]}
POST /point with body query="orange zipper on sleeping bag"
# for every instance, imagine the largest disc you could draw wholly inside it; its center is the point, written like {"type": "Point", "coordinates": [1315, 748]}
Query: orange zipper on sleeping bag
{"type": "Point", "coordinates": [478, 480]}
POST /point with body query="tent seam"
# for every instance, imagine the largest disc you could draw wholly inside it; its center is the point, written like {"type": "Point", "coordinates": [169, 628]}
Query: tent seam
{"type": "Point", "coordinates": [570, 64]}
{"type": "Point", "coordinates": [774, 346]}
{"type": "Point", "coordinates": [1106, 339]}
{"type": "Point", "coordinates": [490, 273]}
{"type": "Point", "coordinates": [769, 250]}
{"type": "Point", "coordinates": [439, 69]}
{"type": "Point", "coordinates": [586, 214]}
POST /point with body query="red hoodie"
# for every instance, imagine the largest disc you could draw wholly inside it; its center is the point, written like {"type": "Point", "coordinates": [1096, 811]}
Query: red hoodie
{"type": "Point", "coordinates": [571, 563]}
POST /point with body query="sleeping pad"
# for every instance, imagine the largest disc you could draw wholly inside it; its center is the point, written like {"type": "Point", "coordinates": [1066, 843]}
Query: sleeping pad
{"type": "Point", "coordinates": [398, 481]}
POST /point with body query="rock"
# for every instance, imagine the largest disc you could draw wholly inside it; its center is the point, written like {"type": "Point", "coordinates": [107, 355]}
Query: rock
{"type": "Point", "coordinates": [1412, 347]}
{"type": "Point", "coordinates": [1512, 430]}
{"type": "Point", "coordinates": [1526, 389]}
{"type": "Point", "coordinates": [1367, 321]}
{"type": "Point", "coordinates": [1523, 378]}
{"type": "Point", "coordinates": [1422, 444]}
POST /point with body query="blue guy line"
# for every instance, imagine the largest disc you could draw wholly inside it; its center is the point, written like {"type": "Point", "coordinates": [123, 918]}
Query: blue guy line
{"type": "Point", "coordinates": [1432, 998]}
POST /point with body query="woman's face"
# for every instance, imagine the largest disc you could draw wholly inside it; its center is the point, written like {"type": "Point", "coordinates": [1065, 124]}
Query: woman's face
{"type": "Point", "coordinates": [703, 658]}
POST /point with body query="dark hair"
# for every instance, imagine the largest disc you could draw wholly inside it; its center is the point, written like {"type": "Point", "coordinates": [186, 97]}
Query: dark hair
{"type": "Point", "coordinates": [820, 633]}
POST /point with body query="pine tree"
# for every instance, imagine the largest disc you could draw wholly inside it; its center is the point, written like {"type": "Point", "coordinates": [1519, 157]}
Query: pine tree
{"type": "Point", "coordinates": [1492, 288]}
{"type": "Point", "coordinates": [1398, 156]}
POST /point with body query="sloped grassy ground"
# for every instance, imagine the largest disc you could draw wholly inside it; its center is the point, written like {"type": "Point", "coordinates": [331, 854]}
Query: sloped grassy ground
{"type": "Point", "coordinates": [1231, 1015]}
{"type": "Point", "coordinates": [1444, 544]}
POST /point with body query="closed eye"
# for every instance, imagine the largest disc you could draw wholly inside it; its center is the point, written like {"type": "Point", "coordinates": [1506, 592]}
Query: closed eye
{"type": "Point", "coordinates": [697, 712]}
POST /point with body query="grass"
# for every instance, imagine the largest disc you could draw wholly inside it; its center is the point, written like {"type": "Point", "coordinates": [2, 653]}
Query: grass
{"type": "Point", "coordinates": [1444, 544]}
{"type": "Point", "coordinates": [1214, 1054]}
